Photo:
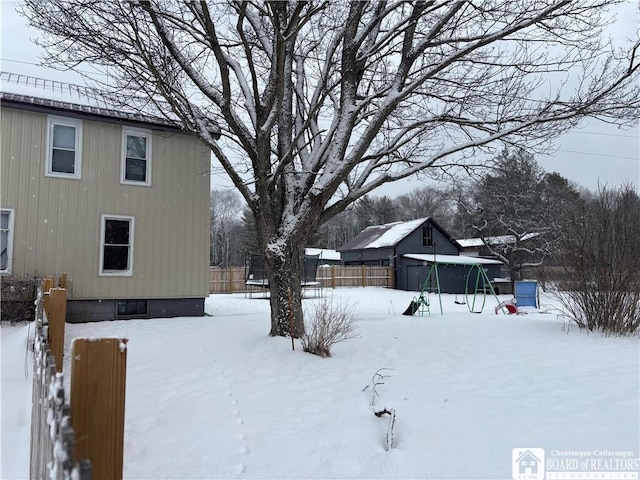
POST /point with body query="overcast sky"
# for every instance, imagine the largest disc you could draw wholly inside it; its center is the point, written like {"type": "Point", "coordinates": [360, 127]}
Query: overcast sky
{"type": "Point", "coordinates": [595, 153]}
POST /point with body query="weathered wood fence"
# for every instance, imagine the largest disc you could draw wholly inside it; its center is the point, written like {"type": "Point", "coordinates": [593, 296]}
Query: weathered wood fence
{"type": "Point", "coordinates": [52, 438]}
{"type": "Point", "coordinates": [232, 280]}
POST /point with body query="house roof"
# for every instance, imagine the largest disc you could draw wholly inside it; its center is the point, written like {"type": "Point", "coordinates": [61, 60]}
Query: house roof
{"type": "Point", "coordinates": [387, 235]}
{"type": "Point", "coordinates": [451, 259]}
{"type": "Point", "coordinates": [39, 93]}
{"type": "Point", "coordinates": [324, 253]}
{"type": "Point", "coordinates": [494, 240]}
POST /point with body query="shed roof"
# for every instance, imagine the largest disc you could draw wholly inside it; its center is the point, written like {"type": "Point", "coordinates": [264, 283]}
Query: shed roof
{"type": "Point", "coordinates": [387, 235]}
{"type": "Point", "coordinates": [451, 259]}
{"type": "Point", "coordinates": [28, 91]}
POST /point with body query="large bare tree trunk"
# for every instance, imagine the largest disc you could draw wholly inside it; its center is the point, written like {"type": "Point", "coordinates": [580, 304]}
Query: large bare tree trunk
{"type": "Point", "coordinates": [284, 269]}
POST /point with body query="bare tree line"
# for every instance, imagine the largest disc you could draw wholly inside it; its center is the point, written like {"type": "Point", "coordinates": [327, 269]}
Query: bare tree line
{"type": "Point", "coordinates": [515, 198]}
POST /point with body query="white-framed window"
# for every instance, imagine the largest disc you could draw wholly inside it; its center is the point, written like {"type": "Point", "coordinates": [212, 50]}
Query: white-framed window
{"type": "Point", "coordinates": [6, 239]}
{"type": "Point", "coordinates": [116, 245]}
{"type": "Point", "coordinates": [136, 157]}
{"type": "Point", "coordinates": [64, 147]}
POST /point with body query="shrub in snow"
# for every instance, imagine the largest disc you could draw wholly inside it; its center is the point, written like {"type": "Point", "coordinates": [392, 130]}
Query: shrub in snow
{"type": "Point", "coordinates": [327, 323]}
{"type": "Point", "coordinates": [18, 292]}
{"type": "Point", "coordinates": [600, 289]}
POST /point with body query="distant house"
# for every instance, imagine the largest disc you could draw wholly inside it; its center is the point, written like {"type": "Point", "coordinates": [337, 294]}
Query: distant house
{"type": "Point", "coordinates": [114, 197]}
{"type": "Point", "coordinates": [481, 247]}
{"type": "Point", "coordinates": [325, 256]}
{"type": "Point", "coordinates": [411, 248]}
{"type": "Point", "coordinates": [525, 254]}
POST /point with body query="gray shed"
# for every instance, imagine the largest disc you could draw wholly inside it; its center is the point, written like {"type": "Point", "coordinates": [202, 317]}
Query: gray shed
{"type": "Point", "coordinates": [411, 247]}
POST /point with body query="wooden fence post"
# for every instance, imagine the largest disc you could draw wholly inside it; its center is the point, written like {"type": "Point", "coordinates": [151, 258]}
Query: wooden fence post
{"type": "Point", "coordinates": [47, 284]}
{"type": "Point", "coordinates": [98, 381]}
{"type": "Point", "coordinates": [231, 280]}
{"type": "Point", "coordinates": [57, 314]}
{"type": "Point", "coordinates": [364, 277]}
{"type": "Point", "coordinates": [333, 276]}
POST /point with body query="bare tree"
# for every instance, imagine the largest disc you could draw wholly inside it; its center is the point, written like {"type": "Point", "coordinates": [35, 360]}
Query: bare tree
{"type": "Point", "coordinates": [225, 207]}
{"type": "Point", "coordinates": [319, 102]}
{"type": "Point", "coordinates": [518, 210]}
{"type": "Point", "coordinates": [342, 227]}
{"type": "Point", "coordinates": [432, 201]}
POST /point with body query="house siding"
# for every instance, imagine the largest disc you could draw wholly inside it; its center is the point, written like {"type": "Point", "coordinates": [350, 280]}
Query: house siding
{"type": "Point", "coordinates": [57, 221]}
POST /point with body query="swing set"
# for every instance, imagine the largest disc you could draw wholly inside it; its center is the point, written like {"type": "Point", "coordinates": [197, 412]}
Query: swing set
{"type": "Point", "coordinates": [475, 298]}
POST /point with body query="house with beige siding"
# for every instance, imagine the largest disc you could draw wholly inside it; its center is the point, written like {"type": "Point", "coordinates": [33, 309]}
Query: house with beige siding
{"type": "Point", "coordinates": [116, 198]}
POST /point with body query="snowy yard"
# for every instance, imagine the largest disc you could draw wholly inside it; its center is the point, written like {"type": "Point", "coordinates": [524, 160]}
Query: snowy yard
{"type": "Point", "coordinates": [215, 397]}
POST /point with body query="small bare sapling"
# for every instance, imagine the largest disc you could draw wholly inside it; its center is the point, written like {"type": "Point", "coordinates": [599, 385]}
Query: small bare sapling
{"type": "Point", "coordinates": [328, 323]}
{"type": "Point", "coordinates": [377, 379]}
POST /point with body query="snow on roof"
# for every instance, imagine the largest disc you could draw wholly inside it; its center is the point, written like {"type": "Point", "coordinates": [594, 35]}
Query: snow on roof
{"type": "Point", "coordinates": [494, 240]}
{"type": "Point", "coordinates": [387, 235]}
{"type": "Point", "coordinates": [28, 90]}
{"type": "Point", "coordinates": [452, 259]}
{"type": "Point", "coordinates": [325, 253]}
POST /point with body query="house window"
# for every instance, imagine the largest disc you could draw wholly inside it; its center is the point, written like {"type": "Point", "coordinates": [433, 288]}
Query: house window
{"type": "Point", "coordinates": [116, 245]}
{"type": "Point", "coordinates": [6, 240]}
{"type": "Point", "coordinates": [132, 308]}
{"type": "Point", "coordinates": [427, 236]}
{"type": "Point", "coordinates": [136, 157]}
{"type": "Point", "coordinates": [64, 152]}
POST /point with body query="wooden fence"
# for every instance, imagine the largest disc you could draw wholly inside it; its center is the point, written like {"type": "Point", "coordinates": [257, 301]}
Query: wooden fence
{"type": "Point", "coordinates": [356, 276]}
{"type": "Point", "coordinates": [52, 438]}
{"type": "Point", "coordinates": [232, 280]}
{"type": "Point", "coordinates": [64, 437]}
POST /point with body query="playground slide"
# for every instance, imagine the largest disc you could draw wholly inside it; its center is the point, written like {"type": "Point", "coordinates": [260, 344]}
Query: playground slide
{"type": "Point", "coordinates": [412, 308]}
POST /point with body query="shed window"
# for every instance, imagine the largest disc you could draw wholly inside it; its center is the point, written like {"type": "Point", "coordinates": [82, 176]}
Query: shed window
{"type": "Point", "coordinates": [116, 245]}
{"type": "Point", "coordinates": [427, 236]}
{"type": "Point", "coordinates": [6, 240]}
{"type": "Point", "coordinates": [64, 152]}
{"type": "Point", "coordinates": [136, 157]}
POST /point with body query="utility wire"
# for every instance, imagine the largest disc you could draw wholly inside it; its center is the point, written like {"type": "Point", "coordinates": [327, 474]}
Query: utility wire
{"type": "Point", "coordinates": [607, 134]}
{"type": "Point", "coordinates": [94, 72]}
{"type": "Point", "coordinates": [599, 154]}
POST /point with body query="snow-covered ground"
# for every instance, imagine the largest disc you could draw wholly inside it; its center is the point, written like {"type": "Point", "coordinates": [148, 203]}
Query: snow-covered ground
{"type": "Point", "coordinates": [216, 397]}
